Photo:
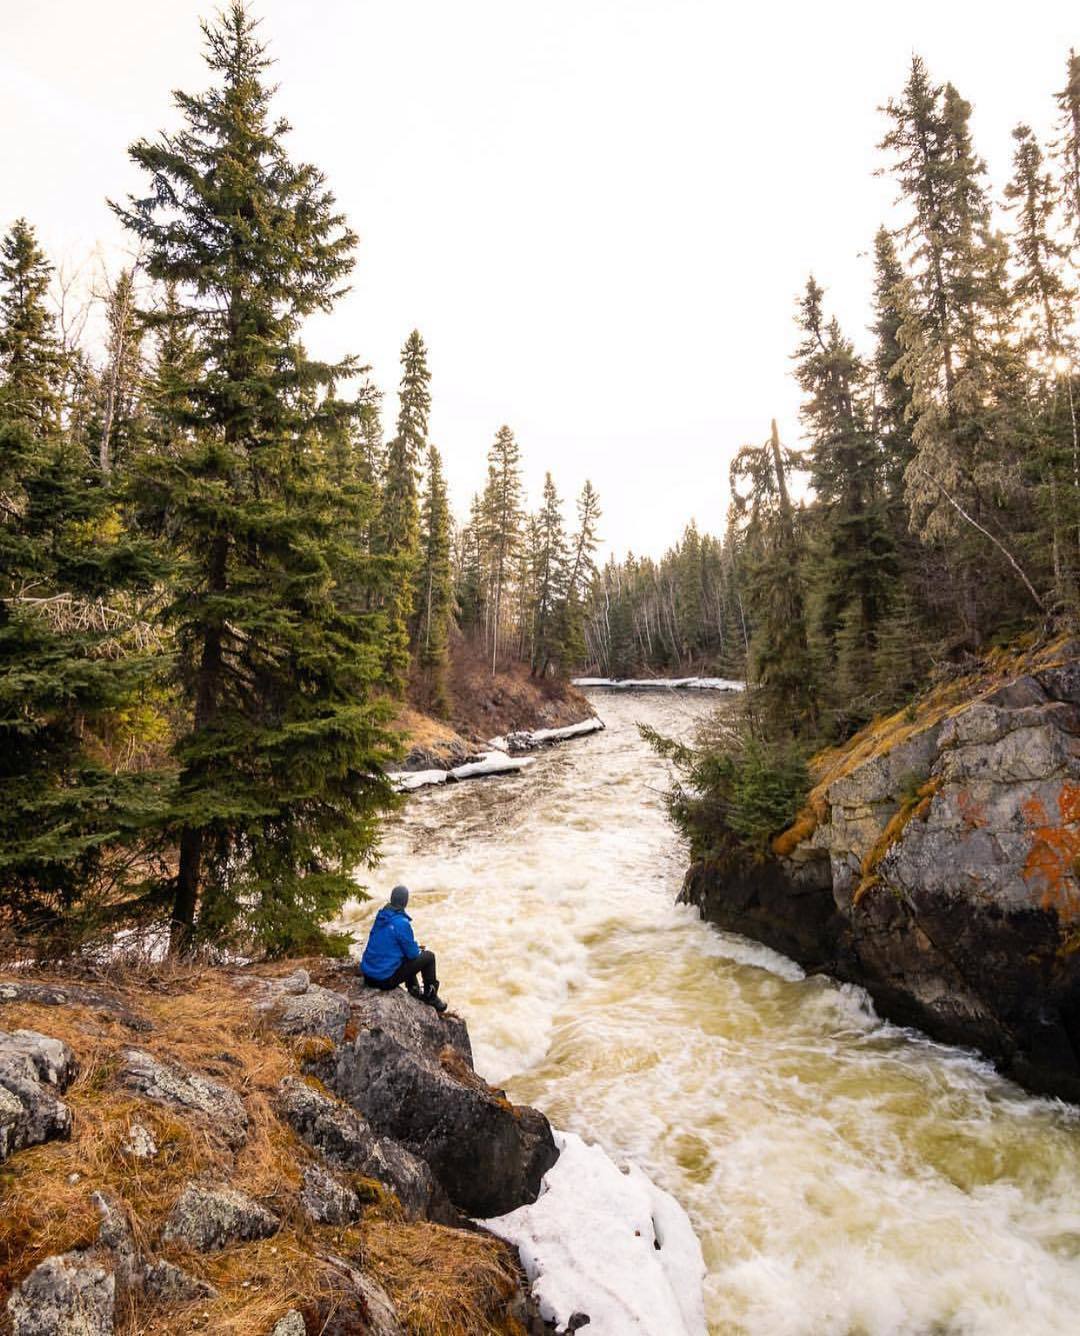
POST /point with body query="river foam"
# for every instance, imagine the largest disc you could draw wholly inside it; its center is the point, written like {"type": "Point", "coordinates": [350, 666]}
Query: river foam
{"type": "Point", "coordinates": [844, 1176]}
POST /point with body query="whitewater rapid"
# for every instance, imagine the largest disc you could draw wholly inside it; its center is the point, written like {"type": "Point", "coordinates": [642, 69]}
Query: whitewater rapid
{"type": "Point", "coordinates": [844, 1176]}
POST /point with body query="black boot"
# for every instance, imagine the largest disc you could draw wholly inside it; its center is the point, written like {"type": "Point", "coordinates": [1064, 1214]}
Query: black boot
{"type": "Point", "coordinates": [432, 998]}
{"type": "Point", "coordinates": [414, 990]}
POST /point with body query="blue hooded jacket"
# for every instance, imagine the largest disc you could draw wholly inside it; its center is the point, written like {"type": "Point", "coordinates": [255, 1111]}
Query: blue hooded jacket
{"type": "Point", "coordinates": [390, 942]}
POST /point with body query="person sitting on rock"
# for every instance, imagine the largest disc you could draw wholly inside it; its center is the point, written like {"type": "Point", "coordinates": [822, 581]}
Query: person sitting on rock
{"type": "Point", "coordinates": [392, 955]}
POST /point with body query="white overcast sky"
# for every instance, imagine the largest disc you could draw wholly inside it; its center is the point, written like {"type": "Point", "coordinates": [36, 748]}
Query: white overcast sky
{"type": "Point", "coordinates": [597, 212]}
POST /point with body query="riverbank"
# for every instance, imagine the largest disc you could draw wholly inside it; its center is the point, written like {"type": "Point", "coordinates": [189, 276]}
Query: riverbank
{"type": "Point", "coordinates": [937, 865]}
{"type": "Point", "coordinates": [841, 1173]}
{"type": "Point", "coordinates": [176, 1164]}
{"type": "Point", "coordinates": [482, 706]}
{"type": "Point", "coordinates": [277, 1149]}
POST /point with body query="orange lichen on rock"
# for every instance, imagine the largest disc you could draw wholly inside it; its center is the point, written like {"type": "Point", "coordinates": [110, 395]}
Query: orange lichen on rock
{"type": "Point", "coordinates": [972, 813]}
{"type": "Point", "coordinates": [1055, 847]}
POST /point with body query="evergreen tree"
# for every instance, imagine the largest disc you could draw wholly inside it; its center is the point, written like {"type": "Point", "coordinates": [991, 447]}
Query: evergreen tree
{"type": "Point", "coordinates": [858, 566]}
{"type": "Point", "coordinates": [280, 769]}
{"type": "Point", "coordinates": [892, 393]}
{"type": "Point", "coordinates": [434, 586]}
{"type": "Point", "coordinates": [1044, 304]}
{"type": "Point", "coordinates": [32, 362]}
{"type": "Point", "coordinates": [121, 427]}
{"type": "Point", "coordinates": [780, 664]}
{"type": "Point", "coordinates": [68, 820]}
{"type": "Point", "coordinates": [957, 358]}
{"type": "Point", "coordinates": [400, 524]}
{"type": "Point", "coordinates": [549, 574]}
{"type": "Point", "coordinates": [581, 570]}
{"type": "Point", "coordinates": [1067, 148]}
{"type": "Point", "coordinates": [503, 518]}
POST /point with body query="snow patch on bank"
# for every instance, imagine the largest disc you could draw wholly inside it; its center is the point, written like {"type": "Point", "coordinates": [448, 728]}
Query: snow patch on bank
{"type": "Point", "coordinates": [524, 740]}
{"type": "Point", "coordinates": [661, 683]}
{"type": "Point", "coordinates": [493, 762]}
{"type": "Point", "coordinates": [608, 1243]}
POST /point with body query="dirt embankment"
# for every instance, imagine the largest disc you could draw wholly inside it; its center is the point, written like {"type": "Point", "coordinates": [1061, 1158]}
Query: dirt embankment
{"type": "Point", "coordinates": [482, 705]}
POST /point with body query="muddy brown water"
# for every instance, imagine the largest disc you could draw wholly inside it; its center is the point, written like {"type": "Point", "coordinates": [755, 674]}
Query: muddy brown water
{"type": "Point", "coordinates": [844, 1175]}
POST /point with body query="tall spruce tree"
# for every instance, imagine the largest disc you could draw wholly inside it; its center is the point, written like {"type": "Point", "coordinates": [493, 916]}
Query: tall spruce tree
{"type": "Point", "coordinates": [581, 569]}
{"type": "Point", "coordinates": [400, 523]}
{"type": "Point", "coordinates": [780, 663]}
{"type": "Point", "coordinates": [1044, 304]}
{"type": "Point", "coordinates": [858, 567]}
{"type": "Point", "coordinates": [549, 577]}
{"type": "Point", "coordinates": [280, 767]}
{"type": "Point", "coordinates": [957, 357]}
{"type": "Point", "coordinates": [68, 819]}
{"type": "Point", "coordinates": [434, 586]}
{"type": "Point", "coordinates": [503, 517]}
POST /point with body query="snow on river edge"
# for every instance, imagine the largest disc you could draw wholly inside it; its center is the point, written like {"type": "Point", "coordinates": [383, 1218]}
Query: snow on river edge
{"type": "Point", "coordinates": [610, 1244]}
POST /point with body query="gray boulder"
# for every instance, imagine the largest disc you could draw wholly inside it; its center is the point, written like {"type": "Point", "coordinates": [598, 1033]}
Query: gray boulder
{"type": "Point", "coordinates": [326, 1200]}
{"type": "Point", "coordinates": [173, 1085]}
{"type": "Point", "coordinates": [33, 1067]}
{"type": "Point", "coordinates": [139, 1144]}
{"type": "Point", "coordinates": [292, 1324]}
{"type": "Point", "coordinates": [209, 1217]}
{"type": "Point", "coordinates": [409, 1072]}
{"type": "Point", "coordinates": [297, 1006]}
{"type": "Point", "coordinates": [68, 1295]}
{"type": "Point", "coordinates": [167, 1284]}
{"type": "Point", "coordinates": [342, 1136]}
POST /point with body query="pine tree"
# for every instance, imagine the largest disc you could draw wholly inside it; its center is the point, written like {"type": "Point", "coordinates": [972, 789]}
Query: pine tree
{"type": "Point", "coordinates": [1067, 148]}
{"type": "Point", "coordinates": [400, 523]}
{"type": "Point", "coordinates": [68, 821]}
{"type": "Point", "coordinates": [503, 517]}
{"type": "Point", "coordinates": [780, 663]}
{"type": "Point", "coordinates": [1044, 303]}
{"type": "Point", "coordinates": [121, 428]}
{"type": "Point", "coordinates": [434, 586]}
{"type": "Point", "coordinates": [957, 357]}
{"type": "Point", "coordinates": [280, 769]}
{"type": "Point", "coordinates": [581, 570]}
{"type": "Point", "coordinates": [858, 565]}
{"type": "Point", "coordinates": [32, 362]}
{"type": "Point", "coordinates": [549, 577]}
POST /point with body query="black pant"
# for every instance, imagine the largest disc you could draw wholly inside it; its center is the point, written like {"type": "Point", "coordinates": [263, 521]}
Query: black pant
{"type": "Point", "coordinates": [406, 972]}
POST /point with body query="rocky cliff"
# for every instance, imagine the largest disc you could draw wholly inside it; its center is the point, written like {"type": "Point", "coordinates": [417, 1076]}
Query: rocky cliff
{"type": "Point", "coordinates": [253, 1151]}
{"type": "Point", "coordinates": [938, 865]}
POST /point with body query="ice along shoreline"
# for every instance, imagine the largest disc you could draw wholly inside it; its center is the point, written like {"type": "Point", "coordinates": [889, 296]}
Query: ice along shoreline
{"type": "Point", "coordinates": [504, 756]}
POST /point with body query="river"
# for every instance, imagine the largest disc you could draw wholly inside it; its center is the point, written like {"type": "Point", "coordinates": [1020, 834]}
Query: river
{"type": "Point", "coordinates": [844, 1175]}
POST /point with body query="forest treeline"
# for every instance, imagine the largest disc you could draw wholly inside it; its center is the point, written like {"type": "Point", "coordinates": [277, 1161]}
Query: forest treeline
{"type": "Point", "coordinates": [933, 508]}
{"type": "Point", "coordinates": [218, 577]}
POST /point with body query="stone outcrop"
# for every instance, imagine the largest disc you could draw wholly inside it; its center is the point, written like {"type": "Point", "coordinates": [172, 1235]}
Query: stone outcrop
{"type": "Point", "coordinates": [326, 1200]}
{"type": "Point", "coordinates": [457, 1135]}
{"type": "Point", "coordinates": [409, 1072]}
{"type": "Point", "coordinates": [34, 1069]}
{"type": "Point", "coordinates": [211, 1216]}
{"type": "Point", "coordinates": [299, 1007]}
{"type": "Point", "coordinates": [170, 1084]}
{"type": "Point", "coordinates": [940, 869]}
{"type": "Point", "coordinates": [342, 1136]}
{"type": "Point", "coordinates": [69, 1295]}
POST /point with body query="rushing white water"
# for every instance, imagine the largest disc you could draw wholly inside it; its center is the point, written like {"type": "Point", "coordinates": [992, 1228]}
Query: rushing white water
{"type": "Point", "coordinates": [844, 1176]}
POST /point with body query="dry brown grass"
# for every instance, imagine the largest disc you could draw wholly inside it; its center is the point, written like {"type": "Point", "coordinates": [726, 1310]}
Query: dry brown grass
{"type": "Point", "coordinates": [441, 1277]}
{"type": "Point", "coordinates": [444, 1282]}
